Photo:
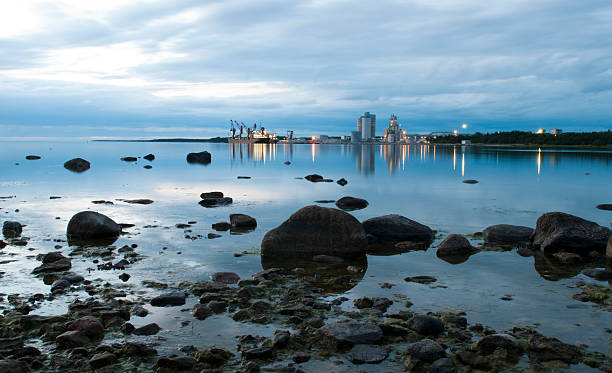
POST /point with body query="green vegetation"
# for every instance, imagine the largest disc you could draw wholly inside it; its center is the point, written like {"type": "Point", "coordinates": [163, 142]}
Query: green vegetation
{"type": "Point", "coordinates": [213, 139]}
{"type": "Point", "coordinates": [597, 139]}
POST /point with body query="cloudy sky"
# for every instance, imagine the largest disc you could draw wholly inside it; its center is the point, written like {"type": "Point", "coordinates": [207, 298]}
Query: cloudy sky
{"type": "Point", "coordinates": [118, 68]}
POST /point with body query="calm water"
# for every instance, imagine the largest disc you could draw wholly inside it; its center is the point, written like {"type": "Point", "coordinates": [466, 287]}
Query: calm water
{"type": "Point", "coordinates": [419, 182]}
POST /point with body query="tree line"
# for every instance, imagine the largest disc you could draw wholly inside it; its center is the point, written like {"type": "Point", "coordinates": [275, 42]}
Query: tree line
{"type": "Point", "coordinates": [530, 138]}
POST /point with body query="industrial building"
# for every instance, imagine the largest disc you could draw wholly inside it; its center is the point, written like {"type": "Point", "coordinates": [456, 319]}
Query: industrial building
{"type": "Point", "coordinates": [366, 125]}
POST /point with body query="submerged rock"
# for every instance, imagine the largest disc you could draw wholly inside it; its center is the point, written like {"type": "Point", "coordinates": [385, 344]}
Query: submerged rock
{"type": "Point", "coordinates": [211, 195]}
{"type": "Point", "coordinates": [32, 157]}
{"type": "Point", "coordinates": [470, 181]}
{"type": "Point", "coordinates": [148, 329]}
{"type": "Point", "coordinates": [176, 298]}
{"type": "Point", "coordinates": [12, 229]}
{"type": "Point", "coordinates": [351, 203]}
{"type": "Point", "coordinates": [221, 226]}
{"type": "Point", "coordinates": [558, 231]}
{"type": "Point", "coordinates": [425, 351]}
{"type": "Point", "coordinates": [77, 165]}
{"type": "Point", "coordinates": [313, 178]}
{"type": "Point", "coordinates": [213, 202]}
{"type": "Point", "coordinates": [129, 159]}
{"type": "Point", "coordinates": [225, 277]}
{"type": "Point", "coordinates": [315, 230]}
{"type": "Point", "coordinates": [490, 343]}
{"type": "Point", "coordinates": [149, 157]}
{"type": "Point", "coordinates": [342, 182]}
{"type": "Point", "coordinates": [426, 325]}
{"type": "Point", "coordinates": [345, 334]}
{"type": "Point", "coordinates": [605, 206]}
{"type": "Point", "coordinates": [201, 158]}
{"type": "Point", "coordinates": [397, 228]}
{"type": "Point", "coordinates": [242, 221]}
{"type": "Point", "coordinates": [507, 234]}
{"type": "Point", "coordinates": [548, 348]}
{"type": "Point", "coordinates": [598, 274]}
{"type": "Point", "coordinates": [89, 226]}
{"type": "Point", "coordinates": [455, 249]}
{"type": "Point", "coordinates": [140, 201]}
{"type": "Point", "coordinates": [368, 354]}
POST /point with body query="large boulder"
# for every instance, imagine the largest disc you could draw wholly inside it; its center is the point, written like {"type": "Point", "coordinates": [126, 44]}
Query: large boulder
{"type": "Point", "coordinates": [202, 157]}
{"type": "Point", "coordinates": [90, 226]}
{"type": "Point", "coordinates": [558, 231]}
{"type": "Point", "coordinates": [397, 228]}
{"type": "Point", "coordinates": [455, 249]}
{"type": "Point", "coordinates": [351, 203]}
{"type": "Point", "coordinates": [11, 229]}
{"type": "Point", "coordinates": [315, 230]}
{"type": "Point", "coordinates": [507, 234]}
{"type": "Point", "coordinates": [77, 165]}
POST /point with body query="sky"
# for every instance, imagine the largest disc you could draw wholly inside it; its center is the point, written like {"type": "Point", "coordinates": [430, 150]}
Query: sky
{"type": "Point", "coordinates": [184, 68]}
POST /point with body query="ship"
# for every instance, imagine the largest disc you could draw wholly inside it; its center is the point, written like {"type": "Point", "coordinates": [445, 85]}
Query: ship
{"type": "Point", "coordinates": [253, 135]}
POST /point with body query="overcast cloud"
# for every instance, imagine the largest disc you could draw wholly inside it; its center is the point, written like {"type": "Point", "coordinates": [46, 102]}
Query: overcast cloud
{"type": "Point", "coordinates": [185, 68]}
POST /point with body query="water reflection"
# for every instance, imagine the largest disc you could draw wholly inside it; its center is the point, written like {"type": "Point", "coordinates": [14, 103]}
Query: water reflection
{"type": "Point", "coordinates": [552, 269]}
{"type": "Point", "coordinates": [258, 153]}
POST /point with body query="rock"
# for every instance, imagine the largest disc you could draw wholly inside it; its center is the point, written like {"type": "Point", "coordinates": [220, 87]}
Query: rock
{"type": "Point", "coordinates": [53, 262]}
{"type": "Point", "coordinates": [135, 349]}
{"type": "Point", "coordinates": [77, 165]}
{"type": "Point", "coordinates": [225, 277]}
{"type": "Point", "coordinates": [313, 178]}
{"type": "Point", "coordinates": [327, 259]}
{"type": "Point", "coordinates": [217, 306]}
{"type": "Point", "coordinates": [213, 235]}
{"type": "Point", "coordinates": [408, 245]}
{"type": "Point", "coordinates": [342, 182]}
{"type": "Point", "coordinates": [89, 226]}
{"type": "Point", "coordinates": [149, 157]}
{"type": "Point", "coordinates": [174, 362]}
{"type": "Point", "coordinates": [11, 229]}
{"type": "Point", "coordinates": [364, 302]}
{"type": "Point", "coordinates": [201, 311]}
{"type": "Point", "coordinates": [147, 166]}
{"type": "Point", "coordinates": [88, 325]}
{"type": "Point", "coordinates": [393, 330]}
{"type": "Point", "coordinates": [140, 311]}
{"type": "Point", "coordinates": [287, 163]}
{"type": "Point", "coordinates": [59, 285]}
{"type": "Point", "coordinates": [567, 258]}
{"type": "Point", "coordinates": [211, 195]}
{"type": "Point", "coordinates": [2, 244]}
{"type": "Point", "coordinates": [443, 365]}
{"type": "Point", "coordinates": [605, 206]}
{"type": "Point", "coordinates": [507, 234]}
{"type": "Point", "coordinates": [102, 202]}
{"type": "Point", "coordinates": [176, 298]}
{"type": "Point", "coordinates": [213, 202]}
{"type": "Point", "coordinates": [73, 278]}
{"type": "Point", "coordinates": [281, 338]}
{"type": "Point", "coordinates": [488, 344]}
{"type": "Point", "coordinates": [598, 274]}
{"type": "Point", "coordinates": [472, 359]}
{"type": "Point", "coordinates": [454, 247]}
{"type": "Point", "coordinates": [140, 201]}
{"type": "Point", "coordinates": [609, 249]}
{"type": "Point", "coordinates": [345, 334]}
{"type": "Point", "coordinates": [558, 231]}
{"type": "Point", "coordinates": [260, 353]}
{"type": "Point", "coordinates": [547, 348]}
{"type": "Point", "coordinates": [71, 339]}
{"type": "Point", "coordinates": [13, 366]}
{"type": "Point", "coordinates": [148, 329]}
{"type": "Point", "coordinates": [244, 177]}
{"type": "Point", "coordinates": [470, 181]}
{"type": "Point", "coordinates": [250, 291]}
{"type": "Point", "coordinates": [368, 354]}
{"type": "Point", "coordinates": [396, 228]}
{"type": "Point", "coordinates": [32, 157]}
{"type": "Point", "coordinates": [351, 203]}
{"type": "Point", "coordinates": [201, 158]}
{"type": "Point", "coordinates": [242, 221]}
{"type": "Point", "coordinates": [222, 226]}
{"type": "Point", "coordinates": [124, 277]}
{"type": "Point", "coordinates": [300, 357]}
{"type": "Point", "coordinates": [525, 252]}
{"type": "Point", "coordinates": [426, 325]}
{"type": "Point", "coordinates": [129, 159]}
{"type": "Point", "coordinates": [102, 359]}
{"type": "Point", "coordinates": [421, 279]}
{"type": "Point", "coordinates": [315, 230]}
{"type": "Point", "coordinates": [426, 351]}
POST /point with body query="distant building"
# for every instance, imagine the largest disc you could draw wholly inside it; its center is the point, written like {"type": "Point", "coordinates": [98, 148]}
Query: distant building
{"type": "Point", "coordinates": [366, 125]}
{"type": "Point", "coordinates": [556, 131]}
{"type": "Point", "coordinates": [355, 136]}
{"type": "Point", "coordinates": [541, 131]}
{"type": "Point", "coordinates": [393, 133]}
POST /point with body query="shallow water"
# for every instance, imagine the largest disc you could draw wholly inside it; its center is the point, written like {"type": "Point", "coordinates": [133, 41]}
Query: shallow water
{"type": "Point", "coordinates": [419, 182]}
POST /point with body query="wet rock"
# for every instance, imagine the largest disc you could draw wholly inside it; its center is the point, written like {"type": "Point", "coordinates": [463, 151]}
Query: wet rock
{"type": "Point", "coordinates": [221, 226]}
{"type": "Point", "coordinates": [147, 166]}
{"type": "Point", "coordinates": [470, 181]}
{"type": "Point", "coordinates": [71, 339]}
{"type": "Point", "coordinates": [490, 343]}
{"type": "Point", "coordinates": [77, 165]}
{"type": "Point", "coordinates": [124, 277]}
{"type": "Point", "coordinates": [605, 206]}
{"type": "Point", "coordinates": [281, 338]}
{"type": "Point", "coordinates": [558, 231]}
{"type": "Point", "coordinates": [140, 311]}
{"type": "Point", "coordinates": [225, 277]}
{"type": "Point", "coordinates": [129, 159]}
{"type": "Point", "coordinates": [211, 195]}
{"type": "Point", "coordinates": [217, 306]}
{"type": "Point", "coordinates": [140, 201]}
{"type": "Point", "coordinates": [598, 274]}
{"type": "Point", "coordinates": [568, 258]}
{"type": "Point", "coordinates": [242, 221]}
{"type": "Point", "coordinates": [421, 279]}
{"type": "Point", "coordinates": [393, 330]}
{"type": "Point", "coordinates": [32, 157]}
{"type": "Point", "coordinates": [547, 348]}
{"type": "Point", "coordinates": [300, 357]}
{"type": "Point", "coordinates": [176, 298]}
{"type": "Point", "coordinates": [102, 359]}
{"type": "Point", "coordinates": [176, 362]}
{"type": "Point", "coordinates": [13, 366]}
{"type": "Point", "coordinates": [287, 163]}
{"type": "Point", "coordinates": [214, 356]}
{"type": "Point", "coordinates": [368, 354]}
{"type": "Point", "coordinates": [212, 236]}
{"type": "Point", "coordinates": [397, 228]}
{"type": "Point", "coordinates": [425, 351]}
{"type": "Point", "coordinates": [2, 244]}
{"type": "Point", "coordinates": [472, 359]}
{"type": "Point", "coordinates": [507, 234]}
{"type": "Point", "coordinates": [250, 291]}
{"type": "Point", "coordinates": [458, 321]}
{"type": "Point", "coordinates": [244, 177]}
{"type": "Point", "coordinates": [426, 325]}
{"type": "Point", "coordinates": [351, 203]}
{"type": "Point", "coordinates": [313, 178]}
{"type": "Point", "coordinates": [609, 249]}
{"type": "Point", "coordinates": [315, 230]}
{"type": "Point", "coordinates": [364, 302]}
{"type": "Point", "coordinates": [102, 202]}
{"type": "Point", "coordinates": [60, 285]}
{"type": "Point", "coordinates": [525, 252]}
{"type": "Point", "coordinates": [73, 278]}
{"type": "Point", "coordinates": [149, 157]}
{"type": "Point", "coordinates": [241, 315]}
{"type": "Point", "coordinates": [53, 262]}
{"type": "Point", "coordinates": [260, 353]}
{"type": "Point", "coordinates": [443, 365]}
{"type": "Point", "coordinates": [214, 202]}
{"type": "Point", "coordinates": [135, 349]}
{"type": "Point", "coordinates": [454, 247]}
{"type": "Point", "coordinates": [201, 158]}
{"type": "Point", "coordinates": [89, 226]}
{"type": "Point", "coordinates": [201, 311]}
{"type": "Point", "coordinates": [345, 334]}
{"type": "Point", "coordinates": [342, 182]}
{"type": "Point", "coordinates": [148, 329]}
{"type": "Point", "coordinates": [410, 245]}
{"type": "Point", "coordinates": [327, 259]}
{"type": "Point", "coordinates": [11, 229]}
{"type": "Point", "coordinates": [88, 325]}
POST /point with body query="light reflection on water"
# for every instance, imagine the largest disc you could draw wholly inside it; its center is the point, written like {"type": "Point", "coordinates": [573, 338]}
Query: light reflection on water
{"type": "Point", "coordinates": [421, 182]}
